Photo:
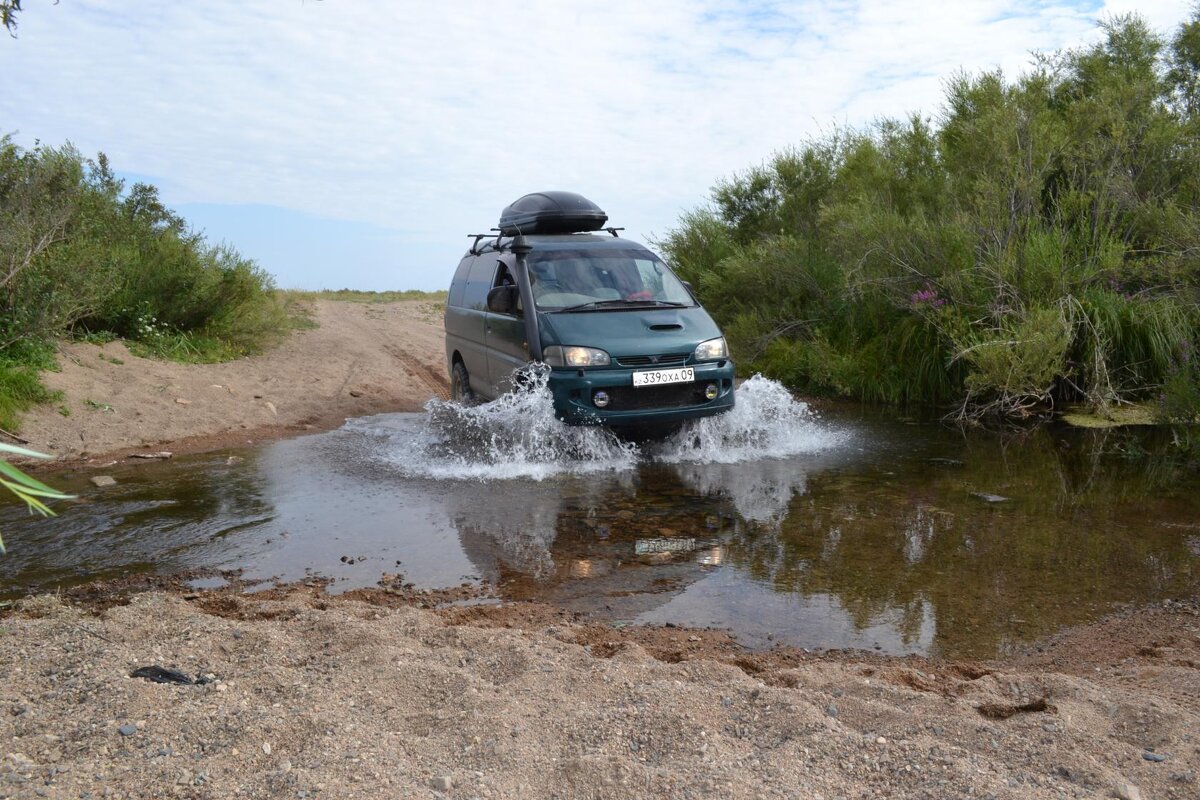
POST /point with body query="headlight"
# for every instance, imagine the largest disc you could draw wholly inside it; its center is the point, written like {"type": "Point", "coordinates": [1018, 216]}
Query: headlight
{"type": "Point", "coordinates": [557, 356]}
{"type": "Point", "coordinates": [712, 349]}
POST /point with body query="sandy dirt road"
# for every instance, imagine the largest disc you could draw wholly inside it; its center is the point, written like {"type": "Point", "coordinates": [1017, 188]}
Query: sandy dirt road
{"type": "Point", "coordinates": [363, 358]}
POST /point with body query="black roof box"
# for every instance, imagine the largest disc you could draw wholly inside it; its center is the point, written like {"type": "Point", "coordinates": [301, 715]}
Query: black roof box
{"type": "Point", "coordinates": [551, 212]}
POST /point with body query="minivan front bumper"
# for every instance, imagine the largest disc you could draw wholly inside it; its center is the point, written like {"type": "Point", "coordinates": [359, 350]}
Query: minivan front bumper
{"type": "Point", "coordinates": [630, 406]}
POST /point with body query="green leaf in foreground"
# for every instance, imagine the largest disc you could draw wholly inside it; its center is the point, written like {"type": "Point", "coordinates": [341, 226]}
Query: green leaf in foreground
{"type": "Point", "coordinates": [31, 491]}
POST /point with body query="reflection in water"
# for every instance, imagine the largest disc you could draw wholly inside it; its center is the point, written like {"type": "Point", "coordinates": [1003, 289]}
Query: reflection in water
{"type": "Point", "coordinates": [497, 533]}
{"type": "Point", "coordinates": [760, 492]}
{"type": "Point", "coordinates": [177, 517]}
{"type": "Point", "coordinates": [884, 547]}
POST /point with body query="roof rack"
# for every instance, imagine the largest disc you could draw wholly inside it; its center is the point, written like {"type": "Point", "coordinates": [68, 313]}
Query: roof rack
{"type": "Point", "coordinates": [478, 237]}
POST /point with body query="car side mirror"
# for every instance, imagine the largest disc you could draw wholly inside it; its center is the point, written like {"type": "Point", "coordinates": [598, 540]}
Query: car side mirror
{"type": "Point", "coordinates": [503, 300]}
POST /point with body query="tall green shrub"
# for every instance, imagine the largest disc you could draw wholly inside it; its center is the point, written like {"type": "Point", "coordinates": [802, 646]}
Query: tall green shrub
{"type": "Point", "coordinates": [81, 251]}
{"type": "Point", "coordinates": [1038, 242]}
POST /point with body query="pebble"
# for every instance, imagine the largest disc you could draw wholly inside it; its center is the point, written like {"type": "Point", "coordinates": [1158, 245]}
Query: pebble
{"type": "Point", "coordinates": [103, 480]}
{"type": "Point", "coordinates": [1157, 758]}
{"type": "Point", "coordinates": [267, 748]}
{"type": "Point", "coordinates": [127, 730]}
{"type": "Point", "coordinates": [881, 740]}
{"type": "Point", "coordinates": [442, 783]}
{"type": "Point", "coordinates": [1127, 791]}
{"type": "Point", "coordinates": [831, 710]}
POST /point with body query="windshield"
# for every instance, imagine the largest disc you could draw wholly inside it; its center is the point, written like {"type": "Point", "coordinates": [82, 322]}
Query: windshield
{"type": "Point", "coordinates": [610, 279]}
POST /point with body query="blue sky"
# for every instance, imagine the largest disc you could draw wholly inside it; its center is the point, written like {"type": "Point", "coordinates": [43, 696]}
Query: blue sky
{"type": "Point", "coordinates": [349, 143]}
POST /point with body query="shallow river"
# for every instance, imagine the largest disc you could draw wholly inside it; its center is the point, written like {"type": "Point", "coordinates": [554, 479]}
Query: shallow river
{"type": "Point", "coordinates": [840, 530]}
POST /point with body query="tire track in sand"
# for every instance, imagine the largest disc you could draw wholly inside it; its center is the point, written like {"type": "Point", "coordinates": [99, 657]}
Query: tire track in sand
{"type": "Point", "coordinates": [437, 384]}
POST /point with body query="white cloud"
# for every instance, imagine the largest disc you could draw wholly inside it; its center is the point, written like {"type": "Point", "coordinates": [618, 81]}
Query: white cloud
{"type": "Point", "coordinates": [429, 117]}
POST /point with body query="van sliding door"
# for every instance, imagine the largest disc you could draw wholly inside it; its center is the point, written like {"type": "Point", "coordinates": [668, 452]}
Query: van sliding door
{"type": "Point", "coordinates": [507, 349]}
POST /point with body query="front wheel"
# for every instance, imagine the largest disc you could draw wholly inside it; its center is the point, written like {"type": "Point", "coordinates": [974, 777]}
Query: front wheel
{"type": "Point", "coordinates": [460, 385]}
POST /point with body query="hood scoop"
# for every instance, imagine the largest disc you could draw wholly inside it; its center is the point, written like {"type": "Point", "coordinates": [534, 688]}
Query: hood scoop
{"type": "Point", "coordinates": [666, 326]}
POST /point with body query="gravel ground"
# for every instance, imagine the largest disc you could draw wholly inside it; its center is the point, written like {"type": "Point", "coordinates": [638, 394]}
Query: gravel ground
{"type": "Point", "coordinates": [370, 696]}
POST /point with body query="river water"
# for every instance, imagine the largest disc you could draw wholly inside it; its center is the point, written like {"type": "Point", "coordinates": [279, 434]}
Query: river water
{"type": "Point", "coordinates": [848, 529]}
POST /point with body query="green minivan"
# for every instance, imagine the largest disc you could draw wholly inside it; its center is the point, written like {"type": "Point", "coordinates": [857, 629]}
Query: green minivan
{"type": "Point", "coordinates": [626, 342]}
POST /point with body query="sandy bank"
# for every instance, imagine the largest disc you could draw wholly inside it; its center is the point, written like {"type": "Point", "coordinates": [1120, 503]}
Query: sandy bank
{"type": "Point", "coordinates": [363, 358]}
{"type": "Point", "coordinates": [312, 696]}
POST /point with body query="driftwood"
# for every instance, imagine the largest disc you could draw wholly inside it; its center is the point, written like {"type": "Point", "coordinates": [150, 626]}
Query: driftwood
{"type": "Point", "coordinates": [14, 436]}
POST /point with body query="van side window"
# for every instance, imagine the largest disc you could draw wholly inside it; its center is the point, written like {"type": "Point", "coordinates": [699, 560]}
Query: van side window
{"type": "Point", "coordinates": [459, 285]}
{"type": "Point", "coordinates": [479, 280]}
{"type": "Point", "coordinates": [504, 277]}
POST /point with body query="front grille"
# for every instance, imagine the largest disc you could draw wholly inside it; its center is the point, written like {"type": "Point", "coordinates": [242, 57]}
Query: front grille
{"type": "Point", "coordinates": [671, 395]}
{"type": "Point", "coordinates": [657, 361]}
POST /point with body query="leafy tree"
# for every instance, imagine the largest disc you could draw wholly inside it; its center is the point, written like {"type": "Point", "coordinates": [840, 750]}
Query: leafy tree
{"type": "Point", "coordinates": [1037, 242]}
{"type": "Point", "coordinates": [8, 15]}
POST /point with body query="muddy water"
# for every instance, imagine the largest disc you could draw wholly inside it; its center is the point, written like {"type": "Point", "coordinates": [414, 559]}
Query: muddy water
{"type": "Point", "coordinates": [846, 530]}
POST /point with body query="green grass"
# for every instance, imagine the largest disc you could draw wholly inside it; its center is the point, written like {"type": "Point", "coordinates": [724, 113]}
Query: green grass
{"type": "Point", "coordinates": [20, 380]}
{"type": "Point", "coordinates": [20, 389]}
{"type": "Point", "coordinates": [95, 337]}
{"type": "Point", "coordinates": [186, 348]}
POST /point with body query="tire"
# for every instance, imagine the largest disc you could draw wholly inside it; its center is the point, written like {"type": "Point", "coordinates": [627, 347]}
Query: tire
{"type": "Point", "coordinates": [460, 385]}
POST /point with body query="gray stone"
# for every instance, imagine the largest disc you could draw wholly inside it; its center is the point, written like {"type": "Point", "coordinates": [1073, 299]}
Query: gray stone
{"type": "Point", "coordinates": [127, 730]}
{"type": "Point", "coordinates": [442, 783]}
{"type": "Point", "coordinates": [831, 710]}
{"type": "Point", "coordinates": [1127, 791]}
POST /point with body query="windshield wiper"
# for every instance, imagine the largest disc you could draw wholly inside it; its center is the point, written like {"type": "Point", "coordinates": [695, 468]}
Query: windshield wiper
{"type": "Point", "coordinates": [602, 304]}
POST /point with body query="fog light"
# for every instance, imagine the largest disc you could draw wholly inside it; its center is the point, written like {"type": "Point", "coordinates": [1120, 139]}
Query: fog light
{"type": "Point", "coordinates": [710, 391]}
{"type": "Point", "coordinates": [601, 399]}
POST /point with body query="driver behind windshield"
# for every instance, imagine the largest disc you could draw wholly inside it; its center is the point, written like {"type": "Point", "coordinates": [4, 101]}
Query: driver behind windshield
{"type": "Point", "coordinates": [564, 282]}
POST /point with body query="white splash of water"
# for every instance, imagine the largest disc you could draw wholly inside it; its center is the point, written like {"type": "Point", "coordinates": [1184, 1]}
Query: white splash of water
{"type": "Point", "coordinates": [514, 436]}
{"type": "Point", "coordinates": [518, 436]}
{"type": "Point", "coordinates": [766, 422]}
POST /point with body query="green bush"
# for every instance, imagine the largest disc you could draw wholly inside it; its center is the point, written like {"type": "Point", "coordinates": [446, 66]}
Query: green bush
{"type": "Point", "coordinates": [80, 253]}
{"type": "Point", "coordinates": [1037, 243]}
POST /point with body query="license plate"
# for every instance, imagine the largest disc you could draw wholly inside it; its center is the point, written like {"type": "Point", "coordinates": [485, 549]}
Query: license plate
{"type": "Point", "coordinates": [654, 377]}
{"type": "Point", "coordinates": [647, 546]}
